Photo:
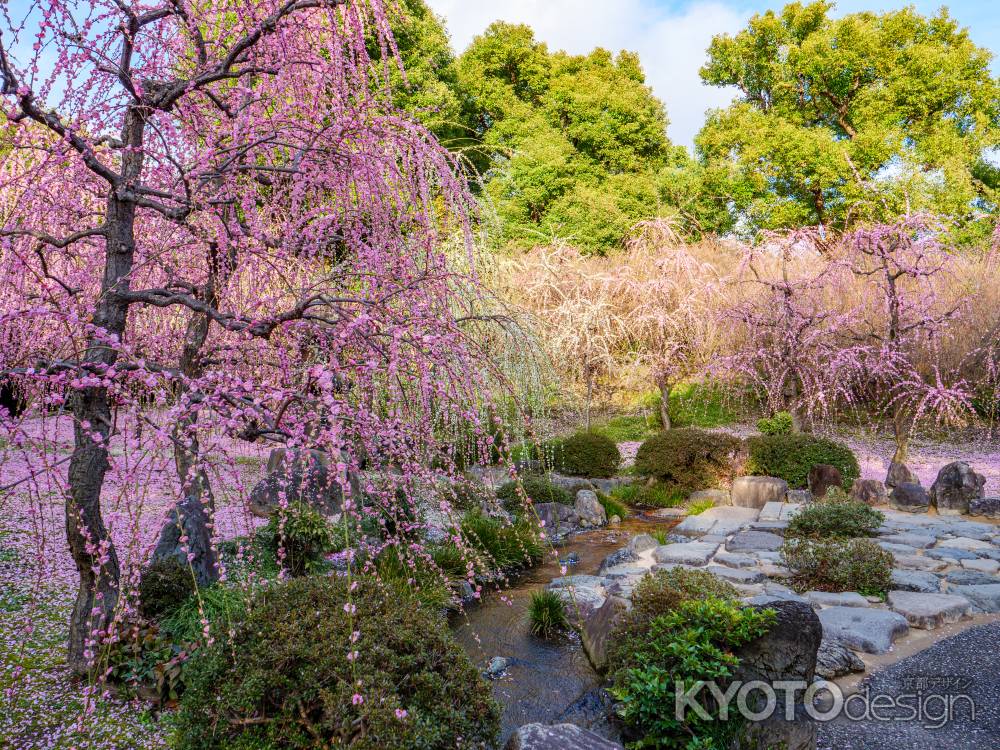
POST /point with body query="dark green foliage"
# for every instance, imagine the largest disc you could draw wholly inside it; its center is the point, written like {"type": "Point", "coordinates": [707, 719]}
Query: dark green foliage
{"type": "Point", "coordinates": [790, 457]}
{"type": "Point", "coordinates": [589, 454]}
{"type": "Point", "coordinates": [547, 614]}
{"type": "Point", "coordinates": [538, 488]}
{"type": "Point", "coordinates": [143, 658]}
{"type": "Point", "coordinates": [163, 586]}
{"type": "Point", "coordinates": [838, 565]}
{"type": "Point", "coordinates": [779, 424]}
{"type": "Point", "coordinates": [690, 642]}
{"type": "Point", "coordinates": [285, 680]}
{"type": "Point", "coordinates": [303, 534]}
{"type": "Point", "coordinates": [689, 458]}
{"type": "Point", "coordinates": [831, 518]}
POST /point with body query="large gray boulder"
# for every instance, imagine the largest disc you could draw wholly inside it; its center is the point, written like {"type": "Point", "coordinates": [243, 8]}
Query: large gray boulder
{"type": "Point", "coordinates": [189, 520]}
{"type": "Point", "coordinates": [899, 474]}
{"type": "Point", "coordinates": [787, 652]}
{"type": "Point", "coordinates": [869, 492]}
{"type": "Point", "coordinates": [909, 498]}
{"type": "Point", "coordinates": [558, 518]}
{"type": "Point", "coordinates": [756, 492]}
{"type": "Point", "coordinates": [985, 506]}
{"type": "Point", "coordinates": [589, 509]}
{"type": "Point", "coordinates": [301, 477]}
{"type": "Point", "coordinates": [870, 630]}
{"type": "Point", "coordinates": [595, 633]}
{"type": "Point", "coordinates": [956, 486]}
{"type": "Point", "coordinates": [558, 737]}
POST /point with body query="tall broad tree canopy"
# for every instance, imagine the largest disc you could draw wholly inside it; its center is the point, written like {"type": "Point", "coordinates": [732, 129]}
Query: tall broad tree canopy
{"type": "Point", "coordinates": [577, 144]}
{"type": "Point", "coordinates": [866, 116]}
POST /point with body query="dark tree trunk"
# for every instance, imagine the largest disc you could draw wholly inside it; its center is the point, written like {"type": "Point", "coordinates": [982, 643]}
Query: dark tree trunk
{"type": "Point", "coordinates": [92, 549]}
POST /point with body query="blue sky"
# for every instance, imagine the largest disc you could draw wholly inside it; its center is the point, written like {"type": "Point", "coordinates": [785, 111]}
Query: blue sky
{"type": "Point", "coordinates": [671, 36]}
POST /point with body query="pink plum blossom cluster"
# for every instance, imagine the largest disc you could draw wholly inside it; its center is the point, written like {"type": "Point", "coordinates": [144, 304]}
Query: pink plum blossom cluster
{"type": "Point", "coordinates": [216, 236]}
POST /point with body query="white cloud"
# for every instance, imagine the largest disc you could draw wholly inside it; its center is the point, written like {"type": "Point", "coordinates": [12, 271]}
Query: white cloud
{"type": "Point", "coordinates": [671, 44]}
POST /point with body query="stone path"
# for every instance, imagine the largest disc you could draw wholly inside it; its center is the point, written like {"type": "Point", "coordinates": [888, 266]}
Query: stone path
{"type": "Point", "coordinates": [945, 571]}
{"type": "Point", "coordinates": [972, 656]}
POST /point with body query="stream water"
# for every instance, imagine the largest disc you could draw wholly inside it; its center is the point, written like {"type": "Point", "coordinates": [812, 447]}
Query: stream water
{"type": "Point", "coordinates": [543, 678]}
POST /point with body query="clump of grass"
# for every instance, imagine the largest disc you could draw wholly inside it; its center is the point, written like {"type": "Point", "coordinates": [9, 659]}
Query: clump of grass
{"type": "Point", "coordinates": [221, 605]}
{"type": "Point", "coordinates": [611, 506]}
{"type": "Point", "coordinates": [507, 546]}
{"type": "Point", "coordinates": [699, 506]}
{"type": "Point", "coordinates": [660, 535]}
{"type": "Point", "coordinates": [649, 496]}
{"type": "Point", "coordinates": [547, 615]}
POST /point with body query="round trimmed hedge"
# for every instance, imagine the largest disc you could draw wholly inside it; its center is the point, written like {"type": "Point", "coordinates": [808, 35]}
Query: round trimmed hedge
{"type": "Point", "coordinates": [689, 458]}
{"type": "Point", "coordinates": [589, 454]}
{"type": "Point", "coordinates": [539, 489]}
{"type": "Point", "coordinates": [285, 679]}
{"type": "Point", "coordinates": [791, 456]}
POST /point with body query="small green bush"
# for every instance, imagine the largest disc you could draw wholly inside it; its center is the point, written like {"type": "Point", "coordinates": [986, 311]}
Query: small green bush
{"type": "Point", "coordinates": [163, 586]}
{"type": "Point", "coordinates": [790, 457]}
{"type": "Point", "coordinates": [589, 454]}
{"type": "Point", "coordinates": [698, 507]}
{"type": "Point", "coordinates": [831, 518]}
{"type": "Point", "coordinates": [693, 642]}
{"type": "Point", "coordinates": [688, 458]}
{"type": "Point", "coordinates": [303, 534]}
{"type": "Point", "coordinates": [780, 424]}
{"type": "Point", "coordinates": [547, 614]}
{"type": "Point", "coordinates": [838, 565]}
{"type": "Point", "coordinates": [538, 488]}
{"type": "Point", "coordinates": [300, 673]}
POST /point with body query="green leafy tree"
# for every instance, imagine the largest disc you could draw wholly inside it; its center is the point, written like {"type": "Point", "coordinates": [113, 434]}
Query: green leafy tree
{"type": "Point", "coordinates": [838, 120]}
{"type": "Point", "coordinates": [577, 144]}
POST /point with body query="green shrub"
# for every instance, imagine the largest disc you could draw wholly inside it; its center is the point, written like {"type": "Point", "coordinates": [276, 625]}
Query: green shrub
{"type": "Point", "coordinates": [547, 614]}
{"type": "Point", "coordinates": [625, 429]}
{"type": "Point", "coordinates": [589, 454]}
{"type": "Point", "coordinates": [838, 565]}
{"type": "Point", "coordinates": [780, 424]}
{"type": "Point", "coordinates": [790, 457]}
{"type": "Point", "coordinates": [414, 575]}
{"type": "Point", "coordinates": [163, 586]}
{"type": "Point", "coordinates": [303, 534]}
{"type": "Point", "coordinates": [286, 680]}
{"type": "Point", "coordinates": [145, 660]}
{"type": "Point", "coordinates": [690, 643]}
{"type": "Point", "coordinates": [538, 488]}
{"type": "Point", "coordinates": [689, 458]}
{"type": "Point", "coordinates": [612, 507]}
{"type": "Point", "coordinates": [835, 518]}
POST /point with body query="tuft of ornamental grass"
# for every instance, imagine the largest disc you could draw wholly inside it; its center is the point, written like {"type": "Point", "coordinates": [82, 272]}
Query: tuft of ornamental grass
{"type": "Point", "coordinates": [547, 615]}
{"type": "Point", "coordinates": [699, 506]}
{"type": "Point", "coordinates": [612, 507]}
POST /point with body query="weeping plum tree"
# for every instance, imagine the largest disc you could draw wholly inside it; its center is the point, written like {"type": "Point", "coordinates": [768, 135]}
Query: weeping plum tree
{"type": "Point", "coordinates": [221, 233]}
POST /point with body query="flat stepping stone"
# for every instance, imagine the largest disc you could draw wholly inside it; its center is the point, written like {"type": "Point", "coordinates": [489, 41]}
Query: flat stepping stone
{"type": "Point", "coordinates": [965, 543]}
{"type": "Point", "coordinates": [929, 611]}
{"type": "Point", "coordinates": [626, 571]}
{"type": "Point", "coordinates": [774, 527]}
{"type": "Point", "coordinates": [772, 570]}
{"type": "Point", "coordinates": [752, 541]}
{"type": "Point", "coordinates": [969, 578]}
{"type": "Point", "coordinates": [898, 549]}
{"type": "Point", "coordinates": [736, 575]}
{"type": "Point", "coordinates": [771, 512]}
{"type": "Point", "coordinates": [984, 597]}
{"type": "Point", "coordinates": [695, 526]}
{"type": "Point", "coordinates": [830, 599]}
{"type": "Point", "coordinates": [982, 566]}
{"type": "Point", "coordinates": [915, 580]}
{"type": "Point", "coordinates": [690, 553]}
{"type": "Point", "coordinates": [581, 581]}
{"type": "Point", "coordinates": [919, 541]}
{"type": "Point", "coordinates": [735, 560]}
{"type": "Point", "coordinates": [950, 553]}
{"type": "Point", "coordinates": [972, 530]}
{"type": "Point", "coordinates": [919, 562]}
{"type": "Point", "coordinates": [863, 628]}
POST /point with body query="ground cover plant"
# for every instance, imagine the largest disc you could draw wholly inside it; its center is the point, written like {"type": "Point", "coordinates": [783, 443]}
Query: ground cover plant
{"type": "Point", "coordinates": [840, 518]}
